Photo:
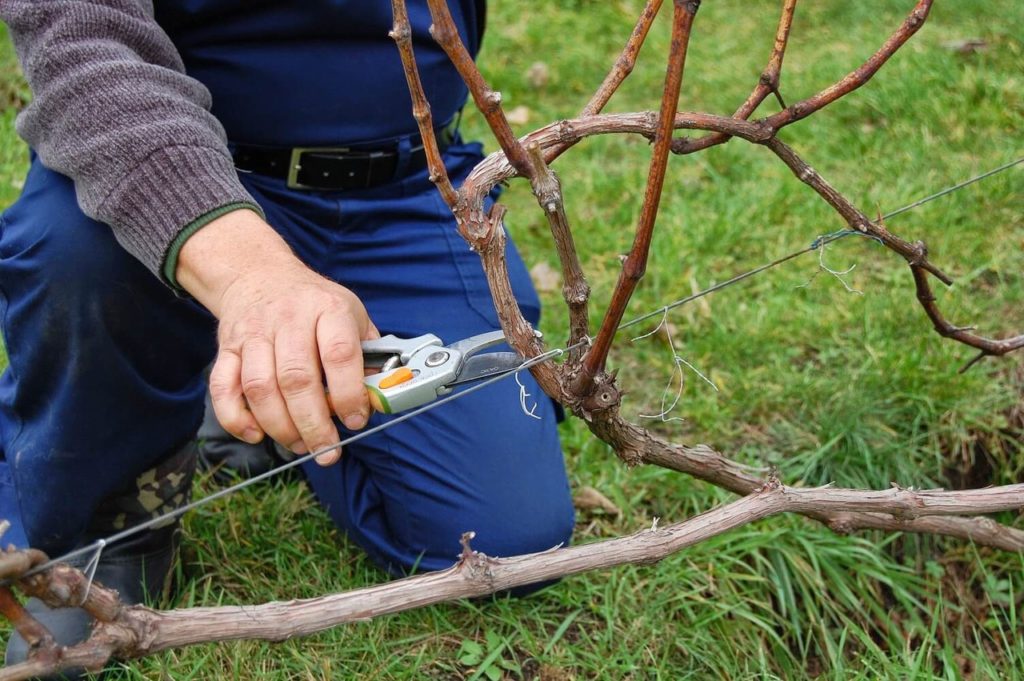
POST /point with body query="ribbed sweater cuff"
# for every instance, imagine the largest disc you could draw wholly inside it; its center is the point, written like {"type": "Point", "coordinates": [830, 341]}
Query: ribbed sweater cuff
{"type": "Point", "coordinates": [167, 192]}
{"type": "Point", "coordinates": [170, 266]}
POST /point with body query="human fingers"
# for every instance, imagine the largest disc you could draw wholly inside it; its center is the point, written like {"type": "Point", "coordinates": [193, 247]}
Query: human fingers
{"type": "Point", "coordinates": [229, 403]}
{"type": "Point", "coordinates": [338, 340]}
{"type": "Point", "coordinates": [300, 381]}
{"type": "Point", "coordinates": [260, 387]}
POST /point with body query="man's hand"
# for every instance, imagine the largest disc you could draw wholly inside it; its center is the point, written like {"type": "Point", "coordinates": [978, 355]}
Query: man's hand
{"type": "Point", "coordinates": [284, 330]}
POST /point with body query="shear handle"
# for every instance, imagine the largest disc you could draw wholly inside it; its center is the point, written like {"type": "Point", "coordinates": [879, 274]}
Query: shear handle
{"type": "Point", "coordinates": [378, 352]}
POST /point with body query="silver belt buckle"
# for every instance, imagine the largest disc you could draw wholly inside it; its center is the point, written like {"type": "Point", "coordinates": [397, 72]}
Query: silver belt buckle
{"type": "Point", "coordinates": [295, 163]}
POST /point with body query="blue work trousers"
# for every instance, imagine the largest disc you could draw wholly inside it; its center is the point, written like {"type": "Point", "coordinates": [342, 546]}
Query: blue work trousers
{"type": "Point", "coordinates": [106, 365]}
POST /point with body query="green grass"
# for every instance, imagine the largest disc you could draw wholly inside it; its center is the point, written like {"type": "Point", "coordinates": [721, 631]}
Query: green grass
{"type": "Point", "coordinates": [824, 384]}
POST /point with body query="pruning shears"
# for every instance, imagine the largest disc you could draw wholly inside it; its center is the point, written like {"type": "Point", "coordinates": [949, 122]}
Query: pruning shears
{"type": "Point", "coordinates": [415, 371]}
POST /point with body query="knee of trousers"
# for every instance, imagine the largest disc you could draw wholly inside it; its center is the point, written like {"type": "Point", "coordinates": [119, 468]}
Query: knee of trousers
{"type": "Point", "coordinates": [499, 530]}
{"type": "Point", "coordinates": [49, 247]}
{"type": "Point", "coordinates": [105, 361]}
{"type": "Point", "coordinates": [408, 494]}
{"type": "Point", "coordinates": [81, 314]}
{"type": "Point", "coordinates": [429, 538]}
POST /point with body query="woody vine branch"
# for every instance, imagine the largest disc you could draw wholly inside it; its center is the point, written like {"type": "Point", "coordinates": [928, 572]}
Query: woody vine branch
{"type": "Point", "coordinates": [581, 383]}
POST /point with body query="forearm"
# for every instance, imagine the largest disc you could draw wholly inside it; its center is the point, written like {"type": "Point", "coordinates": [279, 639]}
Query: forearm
{"type": "Point", "coordinates": [113, 110]}
{"type": "Point", "coordinates": [211, 261]}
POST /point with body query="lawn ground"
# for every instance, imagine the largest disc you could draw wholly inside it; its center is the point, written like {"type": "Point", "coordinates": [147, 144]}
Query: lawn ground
{"type": "Point", "coordinates": [826, 384]}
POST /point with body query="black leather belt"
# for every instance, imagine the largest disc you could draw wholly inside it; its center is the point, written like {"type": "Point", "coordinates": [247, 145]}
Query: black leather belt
{"type": "Point", "coordinates": [336, 168]}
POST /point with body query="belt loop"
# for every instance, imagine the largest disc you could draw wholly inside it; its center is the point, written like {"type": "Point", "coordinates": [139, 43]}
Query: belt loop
{"type": "Point", "coordinates": [404, 151]}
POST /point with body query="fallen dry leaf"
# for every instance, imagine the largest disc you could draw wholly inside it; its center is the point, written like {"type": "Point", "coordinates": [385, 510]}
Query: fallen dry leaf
{"type": "Point", "coordinates": [966, 46]}
{"type": "Point", "coordinates": [519, 115]}
{"type": "Point", "coordinates": [545, 278]}
{"type": "Point", "coordinates": [589, 499]}
{"type": "Point", "coordinates": [538, 74]}
{"type": "Point", "coordinates": [549, 673]}
{"type": "Point", "coordinates": [668, 332]}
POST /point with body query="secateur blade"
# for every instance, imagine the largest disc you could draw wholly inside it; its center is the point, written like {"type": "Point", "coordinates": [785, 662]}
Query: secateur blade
{"type": "Point", "coordinates": [483, 366]}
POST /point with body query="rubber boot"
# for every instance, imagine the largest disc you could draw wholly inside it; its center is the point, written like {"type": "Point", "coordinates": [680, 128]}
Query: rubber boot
{"type": "Point", "coordinates": [139, 567]}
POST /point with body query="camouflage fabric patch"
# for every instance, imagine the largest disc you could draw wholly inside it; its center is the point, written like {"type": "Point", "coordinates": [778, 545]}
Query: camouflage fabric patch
{"type": "Point", "coordinates": [157, 491]}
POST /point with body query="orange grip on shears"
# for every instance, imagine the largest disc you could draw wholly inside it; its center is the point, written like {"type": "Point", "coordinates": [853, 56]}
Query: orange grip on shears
{"type": "Point", "coordinates": [397, 377]}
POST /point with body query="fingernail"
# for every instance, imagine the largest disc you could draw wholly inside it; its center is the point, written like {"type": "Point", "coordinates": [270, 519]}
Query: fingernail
{"type": "Point", "coordinates": [299, 447]}
{"type": "Point", "coordinates": [354, 421]}
{"type": "Point", "coordinates": [252, 435]}
{"type": "Point", "coordinates": [327, 458]}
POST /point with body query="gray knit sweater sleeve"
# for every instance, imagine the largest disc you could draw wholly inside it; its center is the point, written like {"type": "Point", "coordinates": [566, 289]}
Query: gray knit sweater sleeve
{"type": "Point", "coordinates": [113, 110]}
